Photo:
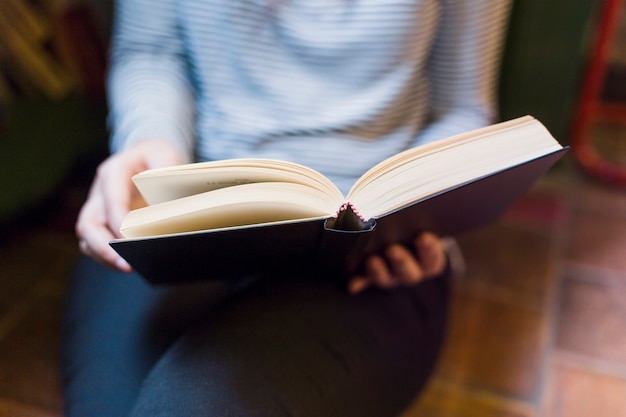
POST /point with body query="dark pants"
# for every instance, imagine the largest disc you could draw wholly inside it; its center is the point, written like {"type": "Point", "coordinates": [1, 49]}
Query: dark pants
{"type": "Point", "coordinates": [283, 347]}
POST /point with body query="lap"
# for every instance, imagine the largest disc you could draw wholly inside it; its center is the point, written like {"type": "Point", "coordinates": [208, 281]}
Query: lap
{"type": "Point", "coordinates": [300, 346]}
{"type": "Point", "coordinates": [116, 326]}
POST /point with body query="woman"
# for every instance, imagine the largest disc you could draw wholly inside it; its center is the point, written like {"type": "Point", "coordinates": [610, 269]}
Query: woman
{"type": "Point", "coordinates": [336, 85]}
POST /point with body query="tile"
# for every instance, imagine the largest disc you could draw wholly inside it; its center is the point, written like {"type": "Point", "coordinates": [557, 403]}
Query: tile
{"type": "Point", "coordinates": [36, 254]}
{"type": "Point", "coordinates": [609, 140]}
{"type": "Point", "coordinates": [9, 408]}
{"type": "Point", "coordinates": [592, 364]}
{"type": "Point", "coordinates": [29, 353]}
{"type": "Point", "coordinates": [513, 259]}
{"type": "Point", "coordinates": [494, 345]}
{"type": "Point", "coordinates": [594, 274]}
{"type": "Point", "coordinates": [592, 195]}
{"type": "Point", "coordinates": [541, 208]}
{"type": "Point", "coordinates": [30, 257]}
{"type": "Point", "coordinates": [444, 399]}
{"type": "Point", "coordinates": [598, 240]}
{"type": "Point", "coordinates": [592, 318]}
{"type": "Point", "coordinates": [578, 393]}
{"type": "Point", "coordinates": [40, 247]}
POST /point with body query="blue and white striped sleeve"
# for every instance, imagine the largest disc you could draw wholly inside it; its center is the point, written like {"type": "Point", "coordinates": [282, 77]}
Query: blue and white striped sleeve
{"type": "Point", "coordinates": [149, 88]}
{"type": "Point", "coordinates": [463, 67]}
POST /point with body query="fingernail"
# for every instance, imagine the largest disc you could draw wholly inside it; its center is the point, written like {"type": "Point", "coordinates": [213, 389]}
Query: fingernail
{"type": "Point", "coordinates": [121, 264]}
{"type": "Point", "coordinates": [356, 286]}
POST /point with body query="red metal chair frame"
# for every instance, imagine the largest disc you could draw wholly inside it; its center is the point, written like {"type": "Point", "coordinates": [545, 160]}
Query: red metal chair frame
{"type": "Point", "coordinates": [591, 109]}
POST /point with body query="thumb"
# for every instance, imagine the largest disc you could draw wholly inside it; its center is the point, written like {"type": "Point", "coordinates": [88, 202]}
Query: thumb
{"type": "Point", "coordinates": [163, 154]}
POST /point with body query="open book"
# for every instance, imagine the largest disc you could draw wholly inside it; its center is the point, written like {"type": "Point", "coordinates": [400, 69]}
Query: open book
{"type": "Point", "coordinates": [232, 217]}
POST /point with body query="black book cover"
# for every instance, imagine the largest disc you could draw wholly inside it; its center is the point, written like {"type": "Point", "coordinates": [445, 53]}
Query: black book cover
{"type": "Point", "coordinates": [328, 245]}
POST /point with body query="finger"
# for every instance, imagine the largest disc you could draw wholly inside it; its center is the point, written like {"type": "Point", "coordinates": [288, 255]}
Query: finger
{"type": "Point", "coordinates": [117, 190]}
{"type": "Point", "coordinates": [404, 267]}
{"type": "Point", "coordinates": [358, 284]}
{"type": "Point", "coordinates": [95, 244]}
{"type": "Point", "coordinates": [431, 253]}
{"type": "Point", "coordinates": [94, 235]}
{"type": "Point", "coordinates": [377, 272]}
{"type": "Point", "coordinates": [163, 157]}
{"type": "Point", "coordinates": [116, 174]}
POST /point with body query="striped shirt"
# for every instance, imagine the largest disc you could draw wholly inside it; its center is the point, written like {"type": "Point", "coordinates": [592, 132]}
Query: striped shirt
{"type": "Point", "coordinates": [337, 85]}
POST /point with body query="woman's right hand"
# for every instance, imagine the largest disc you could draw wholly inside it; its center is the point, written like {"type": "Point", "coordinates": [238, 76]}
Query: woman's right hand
{"type": "Point", "coordinates": [113, 195]}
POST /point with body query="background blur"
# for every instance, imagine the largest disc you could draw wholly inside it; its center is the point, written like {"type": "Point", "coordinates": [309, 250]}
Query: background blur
{"type": "Point", "coordinates": [538, 322]}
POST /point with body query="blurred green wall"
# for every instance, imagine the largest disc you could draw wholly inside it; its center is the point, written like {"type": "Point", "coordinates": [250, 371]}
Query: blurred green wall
{"type": "Point", "coordinates": [544, 60]}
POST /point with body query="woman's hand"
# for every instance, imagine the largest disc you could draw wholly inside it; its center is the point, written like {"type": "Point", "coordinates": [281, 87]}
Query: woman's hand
{"type": "Point", "coordinates": [400, 265]}
{"type": "Point", "coordinates": [113, 195]}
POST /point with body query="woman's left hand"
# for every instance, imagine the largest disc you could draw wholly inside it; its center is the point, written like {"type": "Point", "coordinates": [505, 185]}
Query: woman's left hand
{"type": "Point", "coordinates": [401, 265]}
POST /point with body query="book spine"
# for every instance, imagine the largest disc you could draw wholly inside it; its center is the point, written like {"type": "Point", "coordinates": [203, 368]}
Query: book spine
{"type": "Point", "coordinates": [340, 250]}
{"type": "Point", "coordinates": [348, 218]}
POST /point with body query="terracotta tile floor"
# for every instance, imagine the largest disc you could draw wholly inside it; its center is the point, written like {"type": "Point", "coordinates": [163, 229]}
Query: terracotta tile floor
{"type": "Point", "coordinates": [538, 322]}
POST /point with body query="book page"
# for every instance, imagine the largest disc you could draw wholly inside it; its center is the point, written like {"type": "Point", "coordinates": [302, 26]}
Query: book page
{"type": "Point", "coordinates": [170, 183]}
{"type": "Point", "coordinates": [236, 206]}
{"type": "Point", "coordinates": [237, 192]}
{"type": "Point", "coordinates": [438, 166]}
